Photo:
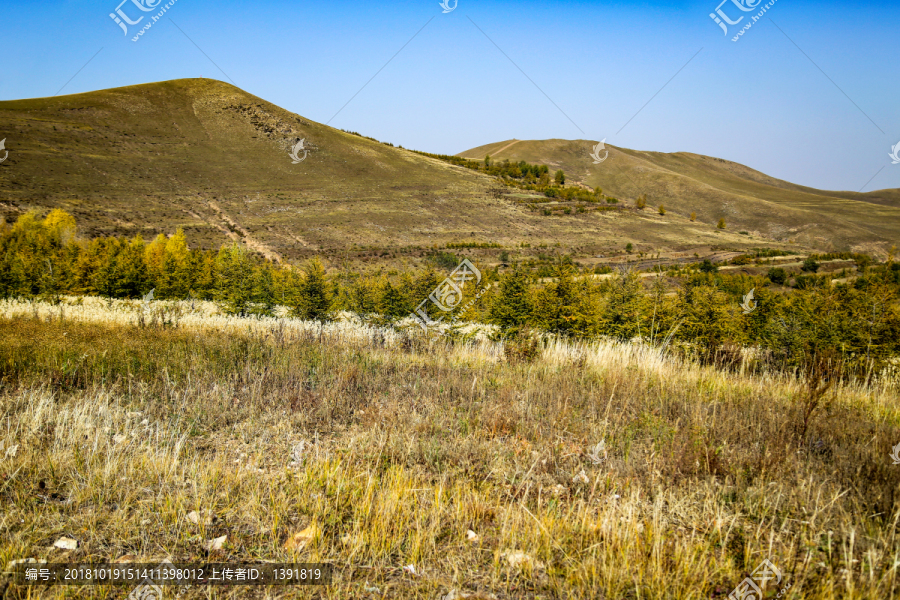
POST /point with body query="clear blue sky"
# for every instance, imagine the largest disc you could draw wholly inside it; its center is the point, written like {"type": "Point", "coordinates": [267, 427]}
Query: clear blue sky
{"type": "Point", "coordinates": [760, 101]}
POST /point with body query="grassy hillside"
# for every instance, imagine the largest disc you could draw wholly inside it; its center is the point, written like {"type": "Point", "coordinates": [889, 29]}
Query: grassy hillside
{"type": "Point", "coordinates": [715, 188]}
{"type": "Point", "coordinates": [206, 156]}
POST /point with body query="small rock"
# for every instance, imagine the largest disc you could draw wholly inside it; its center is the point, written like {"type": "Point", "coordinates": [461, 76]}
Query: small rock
{"type": "Point", "coordinates": [128, 558]}
{"type": "Point", "coordinates": [411, 569]}
{"type": "Point", "coordinates": [12, 451]}
{"type": "Point", "coordinates": [203, 517]}
{"type": "Point", "coordinates": [119, 438]}
{"type": "Point", "coordinates": [24, 561]}
{"type": "Point", "coordinates": [65, 543]}
{"type": "Point", "coordinates": [215, 544]}
{"type": "Point", "coordinates": [471, 536]}
{"type": "Point", "coordinates": [299, 541]}
{"type": "Point", "coordinates": [518, 559]}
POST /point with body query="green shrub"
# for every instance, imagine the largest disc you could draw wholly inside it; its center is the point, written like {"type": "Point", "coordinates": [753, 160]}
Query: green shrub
{"type": "Point", "coordinates": [810, 265]}
{"type": "Point", "coordinates": [708, 267]}
{"type": "Point", "coordinates": [777, 275]}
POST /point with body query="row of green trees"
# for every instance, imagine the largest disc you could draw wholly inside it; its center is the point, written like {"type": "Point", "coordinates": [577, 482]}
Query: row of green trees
{"type": "Point", "coordinates": [527, 176]}
{"type": "Point", "coordinates": [41, 257]}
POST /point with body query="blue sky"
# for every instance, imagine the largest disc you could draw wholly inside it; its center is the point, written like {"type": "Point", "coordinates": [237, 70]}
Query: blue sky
{"type": "Point", "coordinates": [582, 70]}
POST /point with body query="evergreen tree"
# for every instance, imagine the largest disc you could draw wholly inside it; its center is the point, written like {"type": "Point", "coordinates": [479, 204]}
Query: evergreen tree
{"type": "Point", "coordinates": [234, 281]}
{"type": "Point", "coordinates": [709, 319]}
{"type": "Point", "coordinates": [174, 275]}
{"type": "Point", "coordinates": [313, 299]}
{"type": "Point", "coordinates": [560, 177]}
{"type": "Point", "coordinates": [563, 307]}
{"type": "Point", "coordinates": [623, 313]}
{"type": "Point", "coordinates": [512, 306]}
{"type": "Point", "coordinates": [391, 302]}
{"type": "Point", "coordinates": [262, 293]}
{"type": "Point", "coordinates": [204, 269]}
{"type": "Point", "coordinates": [61, 226]}
{"type": "Point", "coordinates": [131, 270]}
{"type": "Point", "coordinates": [154, 257]}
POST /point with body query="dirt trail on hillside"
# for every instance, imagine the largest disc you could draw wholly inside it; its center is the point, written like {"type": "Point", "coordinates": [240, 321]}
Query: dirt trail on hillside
{"type": "Point", "coordinates": [513, 143]}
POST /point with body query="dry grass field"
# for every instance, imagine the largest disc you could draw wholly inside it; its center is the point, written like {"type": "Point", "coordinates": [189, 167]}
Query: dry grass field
{"type": "Point", "coordinates": [144, 434]}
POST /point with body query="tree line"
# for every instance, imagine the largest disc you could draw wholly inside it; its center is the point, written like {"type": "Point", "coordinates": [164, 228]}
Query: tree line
{"type": "Point", "coordinates": [856, 324]}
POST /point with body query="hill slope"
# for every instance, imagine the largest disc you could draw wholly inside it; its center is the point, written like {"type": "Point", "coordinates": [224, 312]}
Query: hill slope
{"type": "Point", "coordinates": [206, 156]}
{"type": "Point", "coordinates": [716, 188]}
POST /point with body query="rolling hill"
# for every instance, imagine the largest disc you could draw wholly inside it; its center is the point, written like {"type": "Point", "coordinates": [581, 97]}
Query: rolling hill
{"type": "Point", "coordinates": [208, 157]}
{"type": "Point", "coordinates": [714, 188]}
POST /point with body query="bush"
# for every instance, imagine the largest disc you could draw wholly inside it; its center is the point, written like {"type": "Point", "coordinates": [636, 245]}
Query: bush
{"type": "Point", "coordinates": [810, 265]}
{"type": "Point", "coordinates": [444, 260]}
{"type": "Point", "coordinates": [806, 282]}
{"type": "Point", "coordinates": [721, 224]}
{"type": "Point", "coordinates": [777, 275]}
{"type": "Point", "coordinates": [707, 267]}
{"type": "Point", "coordinates": [662, 209]}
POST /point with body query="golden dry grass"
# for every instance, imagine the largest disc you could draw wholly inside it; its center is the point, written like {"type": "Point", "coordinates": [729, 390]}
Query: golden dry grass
{"type": "Point", "coordinates": [410, 443]}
